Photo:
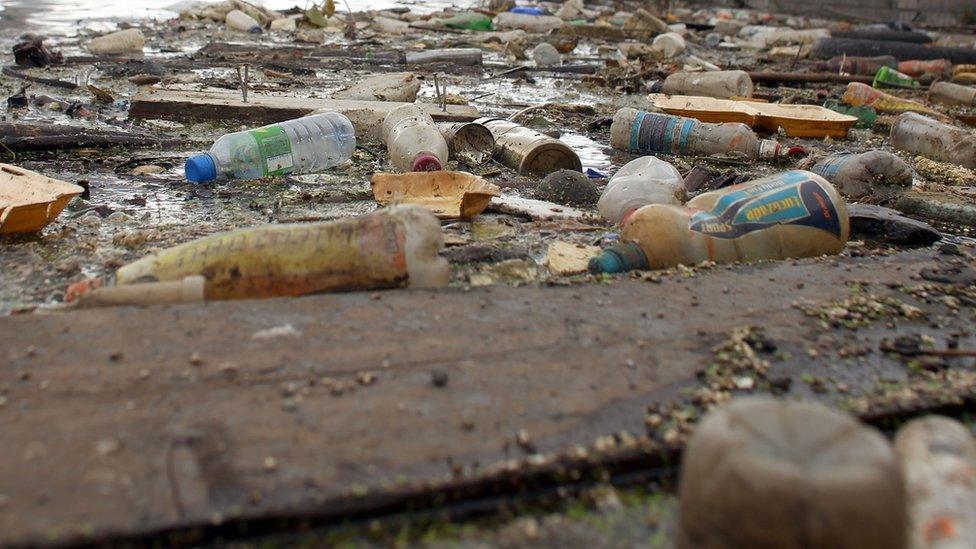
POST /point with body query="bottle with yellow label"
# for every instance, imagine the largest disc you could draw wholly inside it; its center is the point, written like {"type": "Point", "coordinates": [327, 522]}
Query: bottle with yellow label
{"type": "Point", "coordinates": [392, 247]}
{"type": "Point", "coordinates": [787, 215]}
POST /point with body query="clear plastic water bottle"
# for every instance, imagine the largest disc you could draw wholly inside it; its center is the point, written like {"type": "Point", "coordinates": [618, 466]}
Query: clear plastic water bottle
{"type": "Point", "coordinates": [642, 181]}
{"type": "Point", "coordinates": [304, 145]}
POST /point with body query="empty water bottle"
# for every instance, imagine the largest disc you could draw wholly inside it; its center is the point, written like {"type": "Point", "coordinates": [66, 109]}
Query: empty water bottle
{"type": "Point", "coordinates": [645, 180]}
{"type": "Point", "coordinates": [304, 145]}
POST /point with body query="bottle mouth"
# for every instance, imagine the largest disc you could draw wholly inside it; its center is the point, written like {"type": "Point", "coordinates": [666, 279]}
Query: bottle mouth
{"type": "Point", "coordinates": [426, 162]}
{"type": "Point", "coordinates": [618, 259]}
{"type": "Point", "coordinates": [201, 168]}
{"type": "Point", "coordinates": [77, 290]}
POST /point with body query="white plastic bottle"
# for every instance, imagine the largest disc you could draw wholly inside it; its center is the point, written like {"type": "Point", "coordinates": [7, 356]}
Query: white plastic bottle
{"type": "Point", "coordinates": [642, 181]}
{"type": "Point", "coordinates": [930, 138]}
{"type": "Point", "coordinates": [128, 40]}
{"type": "Point", "coordinates": [870, 173]}
{"type": "Point", "coordinates": [240, 21]}
{"type": "Point", "coordinates": [304, 145]}
{"type": "Point", "coordinates": [719, 84]}
{"type": "Point", "coordinates": [413, 140]}
{"type": "Point", "coordinates": [530, 23]}
{"type": "Point", "coordinates": [649, 133]}
{"type": "Point", "coordinates": [669, 43]}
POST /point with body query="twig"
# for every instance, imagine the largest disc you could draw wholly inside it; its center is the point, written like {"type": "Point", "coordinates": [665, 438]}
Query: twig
{"type": "Point", "coordinates": [46, 81]}
{"type": "Point", "coordinates": [528, 109]}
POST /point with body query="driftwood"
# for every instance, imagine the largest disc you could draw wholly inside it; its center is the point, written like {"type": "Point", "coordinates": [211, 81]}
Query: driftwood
{"type": "Point", "coordinates": [45, 137]}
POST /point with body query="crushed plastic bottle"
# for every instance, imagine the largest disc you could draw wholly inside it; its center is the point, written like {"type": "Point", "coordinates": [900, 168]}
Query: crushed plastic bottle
{"type": "Point", "coordinates": [788, 215]}
{"type": "Point", "coordinates": [388, 248]}
{"type": "Point", "coordinates": [648, 133]}
{"type": "Point", "coordinates": [642, 181]}
{"type": "Point", "coordinates": [873, 173]}
{"type": "Point", "coordinates": [938, 460]}
{"type": "Point", "coordinates": [303, 145]}
{"type": "Point", "coordinates": [718, 84]}
{"type": "Point", "coordinates": [413, 140]}
{"type": "Point", "coordinates": [930, 138]}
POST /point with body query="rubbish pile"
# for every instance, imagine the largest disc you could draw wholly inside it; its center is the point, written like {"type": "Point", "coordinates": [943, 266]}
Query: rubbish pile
{"type": "Point", "coordinates": [229, 151]}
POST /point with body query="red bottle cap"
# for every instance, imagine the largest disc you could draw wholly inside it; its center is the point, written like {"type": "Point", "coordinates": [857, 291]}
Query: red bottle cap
{"type": "Point", "coordinates": [426, 162]}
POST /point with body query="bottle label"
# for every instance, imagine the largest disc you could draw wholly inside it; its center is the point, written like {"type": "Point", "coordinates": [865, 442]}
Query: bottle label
{"type": "Point", "coordinates": [792, 198]}
{"type": "Point", "coordinates": [828, 167]}
{"type": "Point", "coordinates": [275, 149]}
{"type": "Point", "coordinates": [652, 132]}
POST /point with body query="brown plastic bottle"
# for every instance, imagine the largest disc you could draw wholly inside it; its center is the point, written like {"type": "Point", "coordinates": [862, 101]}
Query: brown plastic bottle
{"type": "Point", "coordinates": [787, 215]}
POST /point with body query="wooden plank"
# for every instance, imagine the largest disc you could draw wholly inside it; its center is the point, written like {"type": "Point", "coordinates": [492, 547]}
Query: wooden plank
{"type": "Point", "coordinates": [221, 105]}
{"type": "Point", "coordinates": [126, 422]}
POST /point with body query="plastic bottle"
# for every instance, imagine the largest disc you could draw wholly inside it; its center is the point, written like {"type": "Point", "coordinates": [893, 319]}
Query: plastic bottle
{"type": "Point", "coordinates": [865, 66]}
{"type": "Point", "coordinates": [385, 249]}
{"type": "Point", "coordinates": [413, 140]}
{"type": "Point", "coordinates": [240, 21]}
{"type": "Point", "coordinates": [787, 215]}
{"type": "Point", "coordinates": [858, 94]}
{"type": "Point", "coordinates": [866, 116]}
{"type": "Point", "coordinates": [644, 132]}
{"type": "Point", "coordinates": [124, 41]}
{"type": "Point", "coordinates": [762, 472]}
{"type": "Point", "coordinates": [642, 181]}
{"type": "Point", "coordinates": [670, 44]}
{"type": "Point", "coordinates": [919, 134]}
{"type": "Point", "coordinates": [468, 21]}
{"type": "Point", "coordinates": [865, 174]}
{"type": "Point", "coordinates": [938, 461]}
{"type": "Point", "coordinates": [304, 145]}
{"type": "Point", "coordinates": [718, 84]}
{"type": "Point", "coordinates": [888, 77]}
{"type": "Point", "coordinates": [939, 67]}
{"type": "Point", "coordinates": [952, 94]}
{"type": "Point", "coordinates": [529, 23]}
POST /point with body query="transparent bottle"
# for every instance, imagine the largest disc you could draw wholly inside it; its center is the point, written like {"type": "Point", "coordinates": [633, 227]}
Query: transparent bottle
{"type": "Point", "coordinates": [644, 132]}
{"type": "Point", "coordinates": [303, 145]}
{"type": "Point", "coordinates": [413, 140]}
{"type": "Point", "coordinates": [930, 138]}
{"type": "Point", "coordinates": [240, 21]}
{"type": "Point", "coordinates": [388, 248]}
{"type": "Point", "coordinates": [948, 93]}
{"type": "Point", "coordinates": [788, 215]}
{"type": "Point", "coordinates": [872, 173]}
{"type": "Point", "coordinates": [642, 181]}
{"type": "Point", "coordinates": [719, 84]}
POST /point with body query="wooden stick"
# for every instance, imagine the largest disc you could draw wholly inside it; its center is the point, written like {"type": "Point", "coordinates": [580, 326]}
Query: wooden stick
{"type": "Point", "coordinates": [808, 77]}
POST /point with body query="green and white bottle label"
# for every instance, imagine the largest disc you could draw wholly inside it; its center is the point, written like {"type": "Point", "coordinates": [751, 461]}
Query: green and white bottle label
{"type": "Point", "coordinates": [275, 149]}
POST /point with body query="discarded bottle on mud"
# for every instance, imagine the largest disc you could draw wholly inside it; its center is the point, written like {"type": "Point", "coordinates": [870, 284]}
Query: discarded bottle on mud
{"type": "Point", "coordinates": [385, 249]}
{"type": "Point", "coordinates": [670, 44]}
{"type": "Point", "coordinates": [303, 145]}
{"type": "Point", "coordinates": [642, 181]}
{"type": "Point", "coordinates": [124, 41]}
{"type": "Point", "coordinates": [91, 294]}
{"type": "Point", "coordinates": [873, 173]}
{"type": "Point", "coordinates": [648, 133]}
{"type": "Point", "coordinates": [718, 84]}
{"type": "Point", "coordinates": [888, 77]}
{"type": "Point", "coordinates": [858, 94]}
{"type": "Point", "coordinates": [790, 474]}
{"type": "Point", "coordinates": [864, 66]}
{"type": "Point", "coordinates": [788, 215]}
{"type": "Point", "coordinates": [529, 152]}
{"type": "Point", "coordinates": [469, 143]}
{"type": "Point", "coordinates": [866, 116]}
{"type": "Point", "coordinates": [938, 461]}
{"type": "Point", "coordinates": [529, 23]}
{"type": "Point", "coordinates": [468, 21]}
{"type": "Point", "coordinates": [413, 140]}
{"type": "Point", "coordinates": [948, 93]}
{"type": "Point", "coordinates": [917, 134]}
{"type": "Point", "coordinates": [916, 68]}
{"type": "Point", "coordinates": [240, 21]}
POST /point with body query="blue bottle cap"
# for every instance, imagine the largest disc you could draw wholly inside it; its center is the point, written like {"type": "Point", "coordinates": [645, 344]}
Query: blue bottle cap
{"type": "Point", "coordinates": [528, 10]}
{"type": "Point", "coordinates": [201, 168]}
{"type": "Point", "coordinates": [618, 259]}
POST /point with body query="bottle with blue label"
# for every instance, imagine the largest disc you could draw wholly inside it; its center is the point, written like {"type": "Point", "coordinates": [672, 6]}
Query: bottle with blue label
{"type": "Point", "coordinates": [649, 133]}
{"type": "Point", "coordinates": [304, 145]}
{"type": "Point", "coordinates": [879, 174]}
{"type": "Point", "coordinates": [788, 215]}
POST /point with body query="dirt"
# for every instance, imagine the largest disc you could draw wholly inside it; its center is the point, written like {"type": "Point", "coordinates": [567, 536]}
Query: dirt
{"type": "Point", "coordinates": [257, 421]}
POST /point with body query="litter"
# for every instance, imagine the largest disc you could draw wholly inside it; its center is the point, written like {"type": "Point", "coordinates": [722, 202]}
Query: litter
{"type": "Point", "coordinates": [29, 200]}
{"type": "Point", "coordinates": [448, 195]}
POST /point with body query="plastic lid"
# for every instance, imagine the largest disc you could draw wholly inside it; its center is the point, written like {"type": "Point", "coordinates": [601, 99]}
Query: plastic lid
{"type": "Point", "coordinates": [426, 162]}
{"type": "Point", "coordinates": [201, 168]}
{"type": "Point", "coordinates": [618, 259]}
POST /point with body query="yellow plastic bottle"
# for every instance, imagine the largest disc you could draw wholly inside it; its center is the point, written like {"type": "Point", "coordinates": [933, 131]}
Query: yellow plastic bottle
{"type": "Point", "coordinates": [787, 215]}
{"type": "Point", "coordinates": [388, 248]}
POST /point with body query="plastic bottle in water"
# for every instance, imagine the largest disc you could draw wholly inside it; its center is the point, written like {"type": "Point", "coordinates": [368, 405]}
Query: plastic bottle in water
{"type": "Point", "coordinates": [930, 138]}
{"type": "Point", "coordinates": [304, 145]}
{"type": "Point", "coordinates": [642, 181]}
{"type": "Point", "coordinates": [872, 173]}
{"type": "Point", "coordinates": [720, 84]}
{"type": "Point", "coordinates": [644, 132]}
{"type": "Point", "coordinates": [788, 215]}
